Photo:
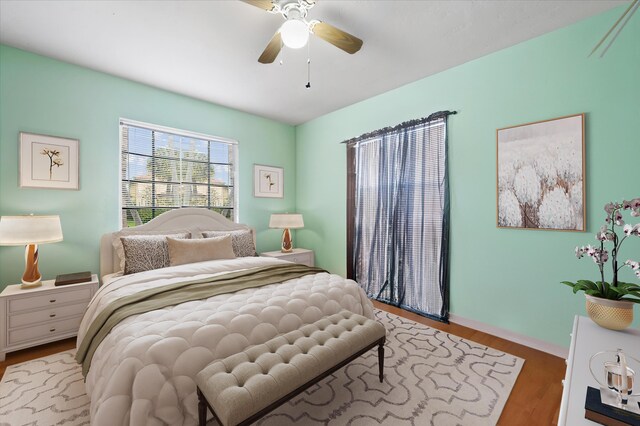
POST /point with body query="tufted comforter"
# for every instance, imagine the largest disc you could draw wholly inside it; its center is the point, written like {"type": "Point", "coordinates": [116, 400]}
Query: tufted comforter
{"type": "Point", "coordinates": [143, 372]}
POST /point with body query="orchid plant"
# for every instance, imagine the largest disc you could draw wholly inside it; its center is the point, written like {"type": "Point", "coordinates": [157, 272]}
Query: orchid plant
{"type": "Point", "coordinates": [615, 290]}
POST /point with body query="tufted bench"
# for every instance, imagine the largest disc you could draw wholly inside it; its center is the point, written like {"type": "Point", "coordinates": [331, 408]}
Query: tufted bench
{"type": "Point", "coordinates": [243, 387]}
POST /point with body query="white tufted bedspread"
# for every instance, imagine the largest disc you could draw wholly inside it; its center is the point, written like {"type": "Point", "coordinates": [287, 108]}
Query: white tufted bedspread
{"type": "Point", "coordinates": [143, 372]}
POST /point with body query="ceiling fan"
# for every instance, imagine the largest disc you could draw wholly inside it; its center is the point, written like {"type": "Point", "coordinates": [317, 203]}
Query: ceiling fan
{"type": "Point", "coordinates": [294, 33]}
{"type": "Point", "coordinates": [628, 13]}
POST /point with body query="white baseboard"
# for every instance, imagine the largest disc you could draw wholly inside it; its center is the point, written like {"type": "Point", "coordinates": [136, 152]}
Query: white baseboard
{"type": "Point", "coordinates": [521, 339]}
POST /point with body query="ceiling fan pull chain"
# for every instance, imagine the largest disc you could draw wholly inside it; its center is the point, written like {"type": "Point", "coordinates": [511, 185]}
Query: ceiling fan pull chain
{"type": "Point", "coordinates": [308, 85]}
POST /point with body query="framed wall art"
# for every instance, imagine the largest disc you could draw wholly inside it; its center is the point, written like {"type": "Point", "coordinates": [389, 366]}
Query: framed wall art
{"type": "Point", "coordinates": [48, 162]}
{"type": "Point", "coordinates": [541, 175]}
{"type": "Point", "coordinates": [268, 181]}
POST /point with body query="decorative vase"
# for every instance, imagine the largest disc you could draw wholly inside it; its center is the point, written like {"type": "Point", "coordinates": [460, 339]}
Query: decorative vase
{"type": "Point", "coordinates": [611, 314]}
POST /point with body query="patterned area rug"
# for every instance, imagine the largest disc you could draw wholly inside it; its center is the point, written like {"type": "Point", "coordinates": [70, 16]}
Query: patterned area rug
{"type": "Point", "coordinates": [431, 377]}
{"type": "Point", "coordinates": [44, 391]}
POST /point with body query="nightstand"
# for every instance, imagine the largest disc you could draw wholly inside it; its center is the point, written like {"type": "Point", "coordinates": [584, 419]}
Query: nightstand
{"type": "Point", "coordinates": [42, 314]}
{"type": "Point", "coordinates": [298, 255]}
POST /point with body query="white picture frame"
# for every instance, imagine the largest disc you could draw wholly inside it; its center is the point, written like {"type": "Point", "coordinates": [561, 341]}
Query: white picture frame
{"type": "Point", "coordinates": [48, 162]}
{"type": "Point", "coordinates": [268, 181]}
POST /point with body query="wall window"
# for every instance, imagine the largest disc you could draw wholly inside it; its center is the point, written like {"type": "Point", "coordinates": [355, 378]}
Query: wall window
{"type": "Point", "coordinates": [165, 169]}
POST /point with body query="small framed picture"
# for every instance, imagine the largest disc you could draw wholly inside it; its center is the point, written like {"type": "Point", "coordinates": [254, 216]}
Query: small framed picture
{"type": "Point", "coordinates": [48, 162]}
{"type": "Point", "coordinates": [268, 181]}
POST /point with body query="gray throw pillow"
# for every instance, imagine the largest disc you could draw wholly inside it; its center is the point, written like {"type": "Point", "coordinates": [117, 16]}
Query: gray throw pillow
{"type": "Point", "coordinates": [241, 240]}
{"type": "Point", "coordinates": [146, 252]}
{"type": "Point", "coordinates": [127, 232]}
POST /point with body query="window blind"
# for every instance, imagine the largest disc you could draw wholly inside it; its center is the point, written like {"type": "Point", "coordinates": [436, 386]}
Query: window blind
{"type": "Point", "coordinates": [165, 169]}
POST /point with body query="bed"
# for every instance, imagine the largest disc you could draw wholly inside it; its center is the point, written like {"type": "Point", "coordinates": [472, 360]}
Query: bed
{"type": "Point", "coordinates": [142, 372]}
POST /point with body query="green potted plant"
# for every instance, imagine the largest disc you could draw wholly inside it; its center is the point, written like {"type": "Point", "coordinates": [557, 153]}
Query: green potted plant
{"type": "Point", "coordinates": [610, 304]}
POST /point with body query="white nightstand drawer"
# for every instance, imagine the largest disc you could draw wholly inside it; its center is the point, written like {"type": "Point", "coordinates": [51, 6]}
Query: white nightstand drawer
{"type": "Point", "coordinates": [302, 258]}
{"type": "Point", "coordinates": [77, 294]}
{"type": "Point", "coordinates": [45, 315]}
{"type": "Point", "coordinates": [16, 337]}
{"type": "Point", "coordinates": [299, 255]}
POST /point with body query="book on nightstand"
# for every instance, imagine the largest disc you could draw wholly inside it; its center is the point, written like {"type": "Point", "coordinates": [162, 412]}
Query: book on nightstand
{"type": "Point", "coordinates": [605, 414]}
{"type": "Point", "coordinates": [75, 278]}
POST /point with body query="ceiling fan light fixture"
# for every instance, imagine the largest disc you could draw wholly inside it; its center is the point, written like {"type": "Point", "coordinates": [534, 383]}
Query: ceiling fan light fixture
{"type": "Point", "coordinates": [295, 33]}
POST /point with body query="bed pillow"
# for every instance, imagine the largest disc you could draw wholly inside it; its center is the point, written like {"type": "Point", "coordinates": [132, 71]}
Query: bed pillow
{"type": "Point", "coordinates": [128, 232]}
{"type": "Point", "coordinates": [200, 250]}
{"type": "Point", "coordinates": [146, 252]}
{"type": "Point", "coordinates": [241, 240]}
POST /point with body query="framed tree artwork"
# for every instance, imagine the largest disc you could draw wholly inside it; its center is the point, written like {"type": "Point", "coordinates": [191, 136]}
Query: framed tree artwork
{"type": "Point", "coordinates": [268, 181]}
{"type": "Point", "coordinates": [48, 162]}
{"type": "Point", "coordinates": [541, 175]}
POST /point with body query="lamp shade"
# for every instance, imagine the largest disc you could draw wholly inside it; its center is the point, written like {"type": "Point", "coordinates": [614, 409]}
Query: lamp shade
{"type": "Point", "coordinates": [21, 230]}
{"type": "Point", "coordinates": [286, 220]}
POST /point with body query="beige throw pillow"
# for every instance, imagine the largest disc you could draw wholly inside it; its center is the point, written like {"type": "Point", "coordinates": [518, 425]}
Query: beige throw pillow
{"type": "Point", "coordinates": [192, 251]}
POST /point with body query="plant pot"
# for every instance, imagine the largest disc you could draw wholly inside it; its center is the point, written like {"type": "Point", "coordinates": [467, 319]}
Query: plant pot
{"type": "Point", "coordinates": [611, 314]}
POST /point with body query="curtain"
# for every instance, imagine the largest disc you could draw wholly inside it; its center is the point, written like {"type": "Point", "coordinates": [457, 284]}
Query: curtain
{"type": "Point", "coordinates": [398, 210]}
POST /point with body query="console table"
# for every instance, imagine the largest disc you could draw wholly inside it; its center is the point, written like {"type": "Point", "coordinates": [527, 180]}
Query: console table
{"type": "Point", "coordinates": [587, 339]}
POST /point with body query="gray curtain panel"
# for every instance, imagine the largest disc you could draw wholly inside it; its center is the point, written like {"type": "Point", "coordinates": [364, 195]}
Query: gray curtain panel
{"type": "Point", "coordinates": [398, 211]}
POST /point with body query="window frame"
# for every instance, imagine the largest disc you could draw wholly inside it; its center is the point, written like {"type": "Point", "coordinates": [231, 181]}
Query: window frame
{"type": "Point", "coordinates": [184, 133]}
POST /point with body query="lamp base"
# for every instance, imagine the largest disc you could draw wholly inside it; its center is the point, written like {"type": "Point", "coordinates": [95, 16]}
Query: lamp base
{"type": "Point", "coordinates": [287, 241]}
{"type": "Point", "coordinates": [31, 285]}
{"type": "Point", "coordinates": [31, 277]}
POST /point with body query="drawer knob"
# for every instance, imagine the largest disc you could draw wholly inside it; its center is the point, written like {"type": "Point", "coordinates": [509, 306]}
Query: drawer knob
{"type": "Point", "coordinates": [52, 315]}
{"type": "Point", "coordinates": [52, 330]}
{"type": "Point", "coordinates": [52, 300]}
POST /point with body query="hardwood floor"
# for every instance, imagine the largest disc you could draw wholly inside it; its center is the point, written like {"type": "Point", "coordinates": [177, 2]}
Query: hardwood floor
{"type": "Point", "coordinates": [535, 399]}
{"type": "Point", "coordinates": [39, 351]}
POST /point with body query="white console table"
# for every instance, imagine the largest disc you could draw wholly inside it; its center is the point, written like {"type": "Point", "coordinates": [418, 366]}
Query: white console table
{"type": "Point", "coordinates": [587, 339]}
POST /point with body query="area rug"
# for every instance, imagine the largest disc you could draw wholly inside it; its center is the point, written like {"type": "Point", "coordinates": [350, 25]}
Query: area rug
{"type": "Point", "coordinates": [431, 377]}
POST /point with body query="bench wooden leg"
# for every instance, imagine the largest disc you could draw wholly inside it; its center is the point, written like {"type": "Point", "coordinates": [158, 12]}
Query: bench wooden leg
{"type": "Point", "coordinates": [202, 409]}
{"type": "Point", "coordinates": [381, 359]}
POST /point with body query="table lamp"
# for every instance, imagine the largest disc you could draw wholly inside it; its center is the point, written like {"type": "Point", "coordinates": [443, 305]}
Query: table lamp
{"type": "Point", "coordinates": [30, 231]}
{"type": "Point", "coordinates": [286, 221]}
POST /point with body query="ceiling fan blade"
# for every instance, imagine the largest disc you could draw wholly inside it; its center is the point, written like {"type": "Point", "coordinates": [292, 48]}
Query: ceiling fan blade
{"type": "Point", "coordinates": [345, 41]}
{"type": "Point", "coordinates": [262, 4]}
{"type": "Point", "coordinates": [633, 4]}
{"type": "Point", "coordinates": [272, 50]}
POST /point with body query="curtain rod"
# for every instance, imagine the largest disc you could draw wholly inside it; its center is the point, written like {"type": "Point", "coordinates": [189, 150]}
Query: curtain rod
{"type": "Point", "coordinates": [404, 125]}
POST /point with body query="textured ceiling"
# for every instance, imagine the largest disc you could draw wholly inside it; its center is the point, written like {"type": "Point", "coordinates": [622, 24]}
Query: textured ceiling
{"type": "Point", "coordinates": [209, 49]}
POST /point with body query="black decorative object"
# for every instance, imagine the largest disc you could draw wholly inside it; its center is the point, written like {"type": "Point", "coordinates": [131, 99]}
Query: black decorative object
{"type": "Point", "coordinates": [605, 414]}
{"type": "Point", "coordinates": [75, 278]}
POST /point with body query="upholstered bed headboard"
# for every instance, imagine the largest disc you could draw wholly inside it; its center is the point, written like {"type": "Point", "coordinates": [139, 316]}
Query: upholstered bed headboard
{"type": "Point", "coordinates": [195, 220]}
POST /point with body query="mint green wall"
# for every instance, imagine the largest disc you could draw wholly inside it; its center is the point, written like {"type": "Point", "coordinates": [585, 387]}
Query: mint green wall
{"type": "Point", "coordinates": [42, 95]}
{"type": "Point", "coordinates": [506, 278]}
